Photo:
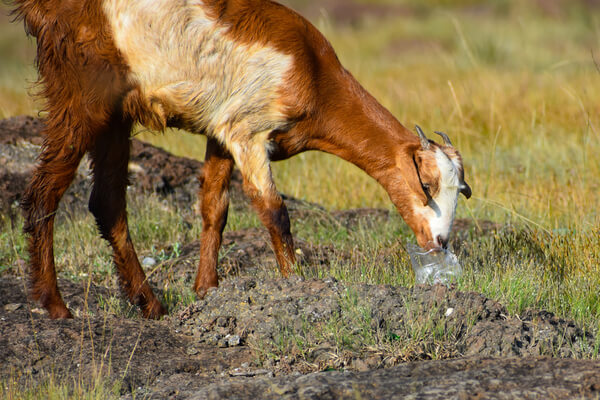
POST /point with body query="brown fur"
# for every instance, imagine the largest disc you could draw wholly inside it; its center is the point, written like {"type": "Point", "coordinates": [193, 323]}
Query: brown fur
{"type": "Point", "coordinates": [92, 104]}
{"type": "Point", "coordinates": [216, 175]}
{"type": "Point", "coordinates": [83, 79]}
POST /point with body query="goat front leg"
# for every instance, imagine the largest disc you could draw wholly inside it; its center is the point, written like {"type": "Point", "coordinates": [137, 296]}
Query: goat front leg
{"type": "Point", "coordinates": [260, 188]}
{"type": "Point", "coordinates": [110, 158]}
{"type": "Point", "coordinates": [274, 215]}
{"type": "Point", "coordinates": [214, 181]}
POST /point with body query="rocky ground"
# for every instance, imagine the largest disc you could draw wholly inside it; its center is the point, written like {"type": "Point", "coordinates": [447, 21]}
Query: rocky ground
{"type": "Point", "coordinates": [277, 338]}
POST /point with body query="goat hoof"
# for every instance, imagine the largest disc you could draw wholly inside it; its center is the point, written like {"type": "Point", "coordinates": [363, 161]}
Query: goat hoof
{"type": "Point", "coordinates": [59, 312]}
{"type": "Point", "coordinates": [202, 290]}
{"type": "Point", "coordinates": [154, 310]}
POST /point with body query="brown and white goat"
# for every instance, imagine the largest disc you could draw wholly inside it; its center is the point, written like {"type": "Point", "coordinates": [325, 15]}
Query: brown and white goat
{"type": "Point", "coordinates": [256, 78]}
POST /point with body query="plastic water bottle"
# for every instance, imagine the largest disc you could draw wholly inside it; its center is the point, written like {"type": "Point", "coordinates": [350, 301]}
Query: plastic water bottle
{"type": "Point", "coordinates": [433, 266]}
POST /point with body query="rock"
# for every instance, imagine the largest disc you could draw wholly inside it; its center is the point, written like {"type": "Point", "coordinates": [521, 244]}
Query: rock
{"type": "Point", "coordinates": [12, 307]}
{"type": "Point", "coordinates": [284, 310]}
{"type": "Point", "coordinates": [148, 262]}
{"type": "Point", "coordinates": [248, 373]}
{"type": "Point", "coordinates": [233, 340]}
{"type": "Point", "coordinates": [513, 378]}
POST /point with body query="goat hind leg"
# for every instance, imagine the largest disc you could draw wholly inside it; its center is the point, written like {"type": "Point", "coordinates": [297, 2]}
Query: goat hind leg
{"type": "Point", "coordinates": [110, 158]}
{"type": "Point", "coordinates": [58, 162]}
{"type": "Point", "coordinates": [215, 179]}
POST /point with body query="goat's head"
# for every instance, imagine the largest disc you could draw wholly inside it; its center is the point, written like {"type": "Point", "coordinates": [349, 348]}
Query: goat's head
{"type": "Point", "coordinates": [431, 178]}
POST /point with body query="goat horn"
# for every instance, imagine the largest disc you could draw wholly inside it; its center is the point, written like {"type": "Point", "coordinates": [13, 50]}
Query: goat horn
{"type": "Point", "coordinates": [447, 141]}
{"type": "Point", "coordinates": [424, 140]}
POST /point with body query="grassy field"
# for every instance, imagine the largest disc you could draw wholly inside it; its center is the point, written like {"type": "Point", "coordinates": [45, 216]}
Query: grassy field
{"type": "Point", "coordinates": [517, 91]}
{"type": "Point", "coordinates": [517, 88]}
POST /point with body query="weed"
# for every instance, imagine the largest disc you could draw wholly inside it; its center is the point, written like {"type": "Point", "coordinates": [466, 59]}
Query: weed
{"type": "Point", "coordinates": [54, 388]}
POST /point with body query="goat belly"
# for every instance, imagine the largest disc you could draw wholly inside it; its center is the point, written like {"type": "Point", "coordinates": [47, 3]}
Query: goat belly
{"type": "Point", "coordinates": [188, 67]}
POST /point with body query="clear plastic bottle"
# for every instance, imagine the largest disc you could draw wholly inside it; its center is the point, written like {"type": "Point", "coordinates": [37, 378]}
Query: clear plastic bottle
{"type": "Point", "coordinates": [433, 266]}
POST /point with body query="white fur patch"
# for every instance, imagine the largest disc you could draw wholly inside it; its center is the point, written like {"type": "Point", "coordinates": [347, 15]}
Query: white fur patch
{"type": "Point", "coordinates": [183, 58]}
{"type": "Point", "coordinates": [441, 209]}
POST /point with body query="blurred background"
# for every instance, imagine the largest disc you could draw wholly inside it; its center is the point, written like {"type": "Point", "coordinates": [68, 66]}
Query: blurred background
{"type": "Point", "coordinates": [515, 84]}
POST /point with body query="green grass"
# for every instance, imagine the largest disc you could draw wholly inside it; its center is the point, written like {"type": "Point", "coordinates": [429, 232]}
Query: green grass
{"type": "Point", "coordinates": [54, 389]}
{"type": "Point", "coordinates": [43, 384]}
{"type": "Point", "coordinates": [17, 72]}
{"type": "Point", "coordinates": [517, 90]}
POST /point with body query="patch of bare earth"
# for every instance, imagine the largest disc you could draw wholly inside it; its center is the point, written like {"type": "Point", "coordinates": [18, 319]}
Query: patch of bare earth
{"type": "Point", "coordinates": [260, 337]}
{"type": "Point", "coordinates": [230, 343]}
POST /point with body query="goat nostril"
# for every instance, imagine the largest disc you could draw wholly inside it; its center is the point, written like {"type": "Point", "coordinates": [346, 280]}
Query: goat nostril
{"type": "Point", "coordinates": [443, 241]}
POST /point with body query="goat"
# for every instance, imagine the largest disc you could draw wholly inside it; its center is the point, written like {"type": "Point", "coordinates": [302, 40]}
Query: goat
{"type": "Point", "coordinates": [256, 78]}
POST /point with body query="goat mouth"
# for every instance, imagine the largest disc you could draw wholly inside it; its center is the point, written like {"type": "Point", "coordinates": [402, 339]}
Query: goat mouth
{"type": "Point", "coordinates": [442, 242]}
{"type": "Point", "coordinates": [433, 247]}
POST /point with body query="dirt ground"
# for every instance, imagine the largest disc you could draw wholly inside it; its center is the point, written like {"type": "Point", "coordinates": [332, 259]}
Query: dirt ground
{"type": "Point", "coordinates": [238, 341]}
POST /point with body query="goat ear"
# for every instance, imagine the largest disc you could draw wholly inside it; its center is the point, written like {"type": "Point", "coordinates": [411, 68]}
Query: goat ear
{"type": "Point", "coordinates": [465, 189]}
{"type": "Point", "coordinates": [408, 162]}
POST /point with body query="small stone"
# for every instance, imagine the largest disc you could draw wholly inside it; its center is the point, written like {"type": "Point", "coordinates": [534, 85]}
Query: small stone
{"type": "Point", "coordinates": [256, 372]}
{"type": "Point", "coordinates": [229, 341]}
{"type": "Point", "coordinates": [12, 307]}
{"type": "Point", "coordinates": [233, 340]}
{"type": "Point", "coordinates": [330, 280]}
{"type": "Point", "coordinates": [449, 311]}
{"type": "Point", "coordinates": [148, 262]}
{"type": "Point", "coordinates": [136, 168]}
{"type": "Point", "coordinates": [214, 340]}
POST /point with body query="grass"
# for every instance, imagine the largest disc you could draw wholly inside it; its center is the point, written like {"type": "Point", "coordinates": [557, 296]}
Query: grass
{"type": "Point", "coordinates": [54, 389]}
{"type": "Point", "coordinates": [336, 342]}
{"type": "Point", "coordinates": [518, 91]}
